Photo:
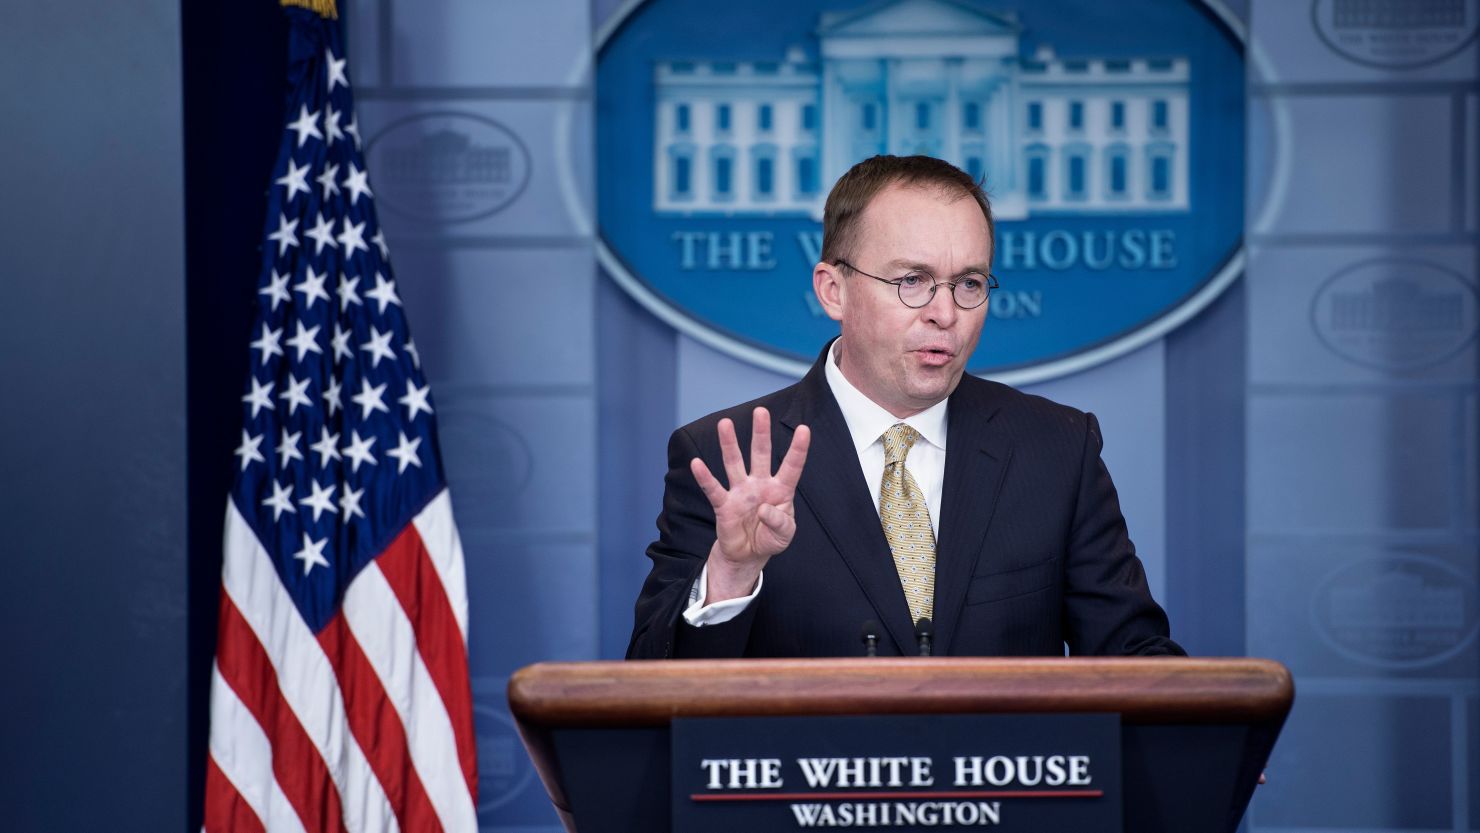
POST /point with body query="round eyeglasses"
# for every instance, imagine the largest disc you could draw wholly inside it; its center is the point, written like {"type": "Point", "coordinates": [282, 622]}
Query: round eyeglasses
{"type": "Point", "coordinates": [917, 289]}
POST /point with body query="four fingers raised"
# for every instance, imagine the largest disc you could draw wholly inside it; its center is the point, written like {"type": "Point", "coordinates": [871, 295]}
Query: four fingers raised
{"type": "Point", "coordinates": [789, 474]}
{"type": "Point", "coordinates": [762, 501]}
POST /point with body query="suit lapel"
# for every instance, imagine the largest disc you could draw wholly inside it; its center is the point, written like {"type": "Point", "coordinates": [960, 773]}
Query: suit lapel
{"type": "Point", "coordinates": [976, 461]}
{"type": "Point", "coordinates": [833, 489]}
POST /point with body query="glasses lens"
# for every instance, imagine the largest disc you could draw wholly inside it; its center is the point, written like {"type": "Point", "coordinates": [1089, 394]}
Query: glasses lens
{"type": "Point", "coordinates": [971, 291]}
{"type": "Point", "coordinates": [916, 290]}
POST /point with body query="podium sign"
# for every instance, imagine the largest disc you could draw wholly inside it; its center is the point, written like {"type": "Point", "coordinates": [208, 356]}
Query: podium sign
{"type": "Point", "coordinates": [1016, 772]}
{"type": "Point", "coordinates": [1173, 744]}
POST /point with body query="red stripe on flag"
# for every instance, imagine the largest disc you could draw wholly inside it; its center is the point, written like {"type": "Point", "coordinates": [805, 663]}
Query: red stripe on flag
{"type": "Point", "coordinates": [296, 764]}
{"type": "Point", "coordinates": [226, 810]}
{"type": "Point", "coordinates": [413, 578]}
{"type": "Point", "coordinates": [378, 728]}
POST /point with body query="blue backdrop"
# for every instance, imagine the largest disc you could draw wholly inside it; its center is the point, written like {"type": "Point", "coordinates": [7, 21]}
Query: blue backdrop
{"type": "Point", "coordinates": [1300, 462]}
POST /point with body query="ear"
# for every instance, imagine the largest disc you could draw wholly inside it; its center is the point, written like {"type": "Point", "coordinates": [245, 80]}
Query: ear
{"type": "Point", "coordinates": [832, 292]}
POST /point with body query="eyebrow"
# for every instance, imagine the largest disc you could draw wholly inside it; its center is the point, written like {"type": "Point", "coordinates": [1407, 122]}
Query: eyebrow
{"type": "Point", "coordinates": [921, 267]}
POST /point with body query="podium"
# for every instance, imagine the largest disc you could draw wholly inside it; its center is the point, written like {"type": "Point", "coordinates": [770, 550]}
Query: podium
{"type": "Point", "coordinates": [1195, 733]}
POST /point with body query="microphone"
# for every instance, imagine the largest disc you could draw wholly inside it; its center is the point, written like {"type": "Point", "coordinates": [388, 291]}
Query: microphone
{"type": "Point", "coordinates": [871, 638]}
{"type": "Point", "coordinates": [923, 632]}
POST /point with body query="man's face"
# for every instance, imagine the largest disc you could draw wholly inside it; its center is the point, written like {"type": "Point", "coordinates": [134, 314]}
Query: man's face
{"type": "Point", "coordinates": [908, 359]}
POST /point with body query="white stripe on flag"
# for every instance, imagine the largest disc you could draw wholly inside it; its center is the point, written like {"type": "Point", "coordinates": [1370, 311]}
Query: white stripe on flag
{"type": "Point", "coordinates": [305, 676]}
{"type": "Point", "coordinates": [243, 754]}
{"type": "Point", "coordinates": [439, 535]}
{"type": "Point", "coordinates": [384, 632]}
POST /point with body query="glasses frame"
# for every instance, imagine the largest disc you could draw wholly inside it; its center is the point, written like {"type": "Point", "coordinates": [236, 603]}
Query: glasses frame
{"type": "Point", "coordinates": [935, 283]}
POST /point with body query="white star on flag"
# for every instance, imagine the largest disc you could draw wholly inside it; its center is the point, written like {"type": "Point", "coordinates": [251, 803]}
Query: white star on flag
{"type": "Point", "coordinates": [312, 287]}
{"type": "Point", "coordinates": [286, 234]}
{"type": "Point", "coordinates": [346, 291]}
{"type": "Point", "coordinates": [326, 181]}
{"type": "Point", "coordinates": [268, 342]}
{"type": "Point", "coordinates": [379, 346]}
{"type": "Point", "coordinates": [415, 400]}
{"type": "Point", "coordinates": [331, 396]}
{"type": "Point", "coordinates": [277, 289]}
{"type": "Point", "coordinates": [306, 341]}
{"type": "Point", "coordinates": [328, 445]}
{"type": "Point", "coordinates": [306, 125]}
{"type": "Point", "coordinates": [322, 234]}
{"type": "Point", "coordinates": [341, 344]}
{"type": "Point", "coordinates": [369, 399]}
{"type": "Point", "coordinates": [287, 450]}
{"type": "Point", "coordinates": [352, 238]}
{"type": "Point", "coordinates": [281, 500]}
{"type": "Point", "coordinates": [295, 395]}
{"type": "Point", "coordinates": [248, 450]}
{"type": "Point", "coordinates": [321, 501]}
{"type": "Point", "coordinates": [295, 180]}
{"type": "Point", "coordinates": [259, 398]}
{"type": "Point", "coordinates": [405, 453]}
{"type": "Point", "coordinates": [353, 129]}
{"type": "Point", "coordinates": [355, 182]}
{"type": "Point", "coordinates": [336, 70]}
{"type": "Point", "coordinates": [312, 554]}
{"type": "Point", "coordinates": [332, 131]}
{"type": "Point", "coordinates": [349, 502]}
{"type": "Point", "coordinates": [384, 292]}
{"type": "Point", "coordinates": [359, 451]}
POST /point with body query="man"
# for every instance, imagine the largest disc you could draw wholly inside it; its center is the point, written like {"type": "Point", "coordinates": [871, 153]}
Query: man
{"type": "Point", "coordinates": [887, 485]}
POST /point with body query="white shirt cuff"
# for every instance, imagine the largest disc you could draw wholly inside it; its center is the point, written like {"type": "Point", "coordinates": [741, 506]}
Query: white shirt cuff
{"type": "Point", "coordinates": [698, 614]}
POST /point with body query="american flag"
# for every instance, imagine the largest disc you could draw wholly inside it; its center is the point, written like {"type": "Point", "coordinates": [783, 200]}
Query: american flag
{"type": "Point", "coordinates": [340, 698]}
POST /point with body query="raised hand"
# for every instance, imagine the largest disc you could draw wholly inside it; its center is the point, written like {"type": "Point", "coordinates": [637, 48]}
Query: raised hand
{"type": "Point", "coordinates": [756, 517]}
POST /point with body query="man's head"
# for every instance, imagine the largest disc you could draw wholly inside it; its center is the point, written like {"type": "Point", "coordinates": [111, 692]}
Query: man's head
{"type": "Point", "coordinates": [916, 218]}
{"type": "Point", "coordinates": [856, 188]}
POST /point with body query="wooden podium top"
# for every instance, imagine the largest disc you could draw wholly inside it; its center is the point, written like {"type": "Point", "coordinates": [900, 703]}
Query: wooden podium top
{"type": "Point", "coordinates": [1142, 690]}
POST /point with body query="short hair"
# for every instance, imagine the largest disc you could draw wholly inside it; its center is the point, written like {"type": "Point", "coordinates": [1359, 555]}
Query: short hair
{"type": "Point", "coordinates": [858, 187]}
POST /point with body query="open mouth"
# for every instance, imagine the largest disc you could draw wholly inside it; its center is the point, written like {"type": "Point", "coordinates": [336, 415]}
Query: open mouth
{"type": "Point", "coordinates": [935, 355]}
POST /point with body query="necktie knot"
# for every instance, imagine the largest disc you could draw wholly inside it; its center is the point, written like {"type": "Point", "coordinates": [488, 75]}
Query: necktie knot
{"type": "Point", "coordinates": [898, 441]}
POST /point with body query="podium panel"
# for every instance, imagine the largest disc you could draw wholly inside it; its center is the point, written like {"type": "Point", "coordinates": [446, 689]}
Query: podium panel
{"type": "Point", "coordinates": [1194, 733]}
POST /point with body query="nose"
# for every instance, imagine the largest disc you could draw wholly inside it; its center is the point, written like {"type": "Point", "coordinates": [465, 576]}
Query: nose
{"type": "Point", "coordinates": [942, 310]}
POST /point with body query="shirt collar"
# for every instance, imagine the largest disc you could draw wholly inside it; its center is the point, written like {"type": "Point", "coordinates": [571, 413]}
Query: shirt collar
{"type": "Point", "coordinates": [867, 420]}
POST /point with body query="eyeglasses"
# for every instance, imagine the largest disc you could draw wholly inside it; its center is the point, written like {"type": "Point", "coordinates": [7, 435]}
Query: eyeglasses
{"type": "Point", "coordinates": [917, 289]}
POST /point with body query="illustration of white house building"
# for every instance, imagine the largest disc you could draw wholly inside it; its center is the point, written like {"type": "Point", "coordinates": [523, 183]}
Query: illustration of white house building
{"type": "Point", "coordinates": [941, 77]}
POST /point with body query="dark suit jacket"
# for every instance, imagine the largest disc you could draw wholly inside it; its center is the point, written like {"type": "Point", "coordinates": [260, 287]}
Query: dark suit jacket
{"type": "Point", "coordinates": [1032, 553]}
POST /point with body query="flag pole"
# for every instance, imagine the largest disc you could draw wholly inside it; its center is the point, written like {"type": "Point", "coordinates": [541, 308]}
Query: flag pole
{"type": "Point", "coordinates": [325, 8]}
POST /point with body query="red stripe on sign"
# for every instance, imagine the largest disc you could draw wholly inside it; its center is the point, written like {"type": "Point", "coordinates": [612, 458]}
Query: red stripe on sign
{"type": "Point", "coordinates": [883, 796]}
{"type": "Point", "coordinates": [297, 765]}
{"type": "Point", "coordinates": [226, 810]}
{"type": "Point", "coordinates": [378, 728]}
{"type": "Point", "coordinates": [413, 578]}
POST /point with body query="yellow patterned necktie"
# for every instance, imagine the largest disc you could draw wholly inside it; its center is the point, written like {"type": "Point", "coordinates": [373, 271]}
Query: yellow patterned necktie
{"type": "Point", "coordinates": [906, 521]}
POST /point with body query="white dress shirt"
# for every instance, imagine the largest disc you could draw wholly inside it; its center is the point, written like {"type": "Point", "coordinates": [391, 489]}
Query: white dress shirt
{"type": "Point", "coordinates": [867, 422]}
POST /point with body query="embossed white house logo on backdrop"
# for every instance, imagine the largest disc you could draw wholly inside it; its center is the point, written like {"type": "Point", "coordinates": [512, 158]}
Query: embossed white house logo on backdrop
{"type": "Point", "coordinates": [1396, 314]}
{"type": "Point", "coordinates": [1399, 34]}
{"type": "Point", "coordinates": [1049, 133]}
{"type": "Point", "coordinates": [1110, 141]}
{"type": "Point", "coordinates": [449, 166]}
{"type": "Point", "coordinates": [1398, 611]}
